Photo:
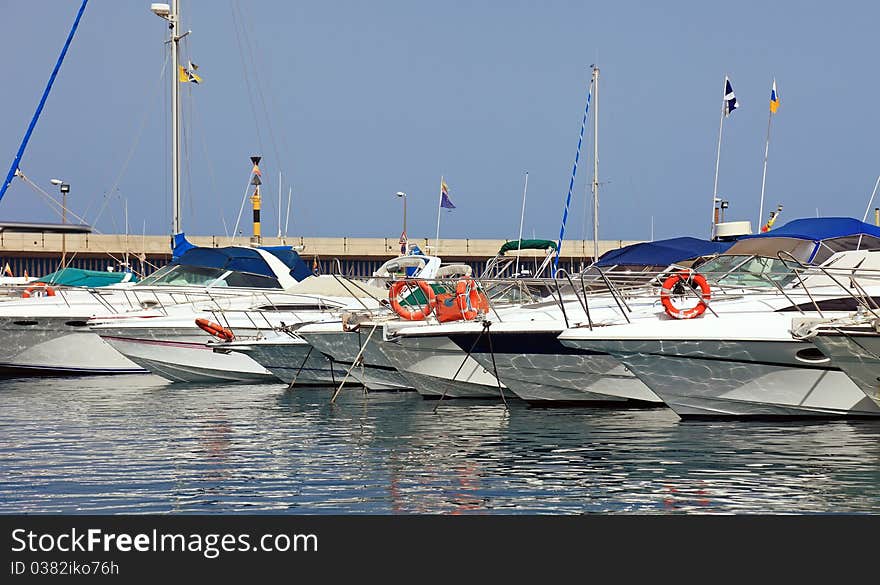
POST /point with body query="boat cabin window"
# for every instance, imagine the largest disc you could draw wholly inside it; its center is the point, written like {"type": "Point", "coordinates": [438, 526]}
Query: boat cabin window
{"type": "Point", "coordinates": [751, 271]}
{"type": "Point", "coordinates": [181, 275]}
{"type": "Point", "coordinates": [244, 279]}
{"type": "Point", "coordinates": [719, 266]}
{"type": "Point", "coordinates": [855, 242]}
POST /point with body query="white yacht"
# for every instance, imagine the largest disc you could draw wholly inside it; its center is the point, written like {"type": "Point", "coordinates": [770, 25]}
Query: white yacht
{"type": "Point", "coordinates": [361, 337]}
{"type": "Point", "coordinates": [174, 346]}
{"type": "Point", "coordinates": [288, 357]}
{"type": "Point", "coordinates": [521, 342]}
{"type": "Point", "coordinates": [49, 335]}
{"type": "Point", "coordinates": [435, 365]}
{"type": "Point", "coordinates": [344, 341]}
{"type": "Point", "coordinates": [283, 351]}
{"type": "Point", "coordinates": [739, 357]}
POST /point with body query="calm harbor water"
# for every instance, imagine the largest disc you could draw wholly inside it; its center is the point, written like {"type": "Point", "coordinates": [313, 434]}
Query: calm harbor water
{"type": "Point", "coordinates": [136, 444]}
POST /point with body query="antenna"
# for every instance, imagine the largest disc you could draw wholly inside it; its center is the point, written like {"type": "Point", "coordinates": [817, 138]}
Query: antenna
{"type": "Point", "coordinates": [871, 200]}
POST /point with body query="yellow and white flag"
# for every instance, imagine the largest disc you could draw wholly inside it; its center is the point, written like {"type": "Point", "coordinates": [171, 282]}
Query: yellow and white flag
{"type": "Point", "coordinates": [188, 74]}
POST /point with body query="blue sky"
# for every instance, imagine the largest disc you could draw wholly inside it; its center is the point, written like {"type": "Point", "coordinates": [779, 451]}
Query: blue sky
{"type": "Point", "coordinates": [355, 101]}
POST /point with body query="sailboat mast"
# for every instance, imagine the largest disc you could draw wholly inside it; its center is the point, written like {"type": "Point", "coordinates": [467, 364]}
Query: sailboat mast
{"type": "Point", "coordinates": [595, 164]}
{"type": "Point", "coordinates": [173, 24]}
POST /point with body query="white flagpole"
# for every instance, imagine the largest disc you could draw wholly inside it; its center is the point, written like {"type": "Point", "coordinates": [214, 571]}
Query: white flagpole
{"type": "Point", "coordinates": [871, 200]}
{"type": "Point", "coordinates": [718, 156]}
{"type": "Point", "coordinates": [439, 203]}
{"type": "Point", "coordinates": [279, 205]}
{"type": "Point", "coordinates": [287, 217]}
{"type": "Point", "coordinates": [522, 217]}
{"type": "Point", "coordinates": [764, 175]}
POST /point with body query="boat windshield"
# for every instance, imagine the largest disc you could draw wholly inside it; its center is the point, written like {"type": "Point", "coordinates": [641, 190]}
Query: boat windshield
{"type": "Point", "coordinates": [751, 271]}
{"type": "Point", "coordinates": [182, 275]}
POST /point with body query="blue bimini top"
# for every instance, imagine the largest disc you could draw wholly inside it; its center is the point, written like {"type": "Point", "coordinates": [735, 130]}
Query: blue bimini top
{"type": "Point", "coordinates": [662, 252]}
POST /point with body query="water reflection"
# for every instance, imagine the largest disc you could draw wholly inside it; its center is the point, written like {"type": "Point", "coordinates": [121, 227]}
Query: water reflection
{"type": "Point", "coordinates": [136, 444]}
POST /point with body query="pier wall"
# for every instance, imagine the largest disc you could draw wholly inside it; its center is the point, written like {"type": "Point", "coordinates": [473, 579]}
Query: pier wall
{"type": "Point", "coordinates": [40, 253]}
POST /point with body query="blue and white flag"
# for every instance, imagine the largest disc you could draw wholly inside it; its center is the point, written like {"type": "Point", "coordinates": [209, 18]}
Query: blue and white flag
{"type": "Point", "coordinates": [729, 99]}
{"type": "Point", "coordinates": [774, 99]}
{"type": "Point", "coordinates": [445, 201]}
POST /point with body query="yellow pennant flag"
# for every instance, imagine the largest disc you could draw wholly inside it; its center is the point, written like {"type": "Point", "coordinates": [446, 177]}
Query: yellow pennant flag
{"type": "Point", "coordinates": [188, 75]}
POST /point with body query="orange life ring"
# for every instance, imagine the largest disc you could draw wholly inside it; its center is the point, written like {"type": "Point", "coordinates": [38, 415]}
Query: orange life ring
{"type": "Point", "coordinates": [38, 289]}
{"type": "Point", "coordinates": [468, 295]}
{"type": "Point", "coordinates": [411, 313]}
{"type": "Point", "coordinates": [216, 330]}
{"type": "Point", "coordinates": [687, 278]}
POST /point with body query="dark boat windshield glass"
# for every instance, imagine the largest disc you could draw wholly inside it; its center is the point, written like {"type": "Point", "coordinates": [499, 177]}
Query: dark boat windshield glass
{"type": "Point", "coordinates": [181, 275]}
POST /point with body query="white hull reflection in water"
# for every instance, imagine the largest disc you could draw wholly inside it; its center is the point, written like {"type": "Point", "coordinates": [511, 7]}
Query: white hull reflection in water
{"type": "Point", "coordinates": [139, 444]}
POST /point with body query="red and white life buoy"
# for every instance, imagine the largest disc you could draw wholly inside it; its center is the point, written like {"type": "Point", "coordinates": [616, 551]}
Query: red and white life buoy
{"type": "Point", "coordinates": [685, 278]}
{"type": "Point", "coordinates": [38, 289]}
{"type": "Point", "coordinates": [412, 313]}
{"type": "Point", "coordinates": [468, 297]}
{"type": "Point", "coordinates": [215, 329]}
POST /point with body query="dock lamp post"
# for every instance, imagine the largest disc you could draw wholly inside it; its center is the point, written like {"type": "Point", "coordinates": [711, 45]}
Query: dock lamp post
{"type": "Point", "coordinates": [403, 236]}
{"type": "Point", "coordinates": [65, 189]}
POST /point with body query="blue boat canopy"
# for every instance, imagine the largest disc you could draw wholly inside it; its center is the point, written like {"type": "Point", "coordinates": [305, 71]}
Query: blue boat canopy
{"type": "Point", "coordinates": [812, 240]}
{"type": "Point", "coordinates": [661, 252]}
{"type": "Point", "coordinates": [242, 259]}
{"type": "Point", "coordinates": [179, 245]}
{"type": "Point", "coordinates": [238, 258]}
{"type": "Point", "coordinates": [820, 228]}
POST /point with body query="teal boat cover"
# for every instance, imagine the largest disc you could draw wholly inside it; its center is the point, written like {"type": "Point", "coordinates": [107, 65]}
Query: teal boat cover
{"type": "Point", "coordinates": [90, 278]}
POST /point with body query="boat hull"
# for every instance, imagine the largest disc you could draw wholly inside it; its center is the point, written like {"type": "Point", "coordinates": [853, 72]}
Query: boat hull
{"type": "Point", "coordinates": [57, 346]}
{"type": "Point", "coordinates": [181, 354]}
{"type": "Point", "coordinates": [295, 362]}
{"type": "Point", "coordinates": [375, 370]}
{"type": "Point", "coordinates": [718, 378]}
{"type": "Point", "coordinates": [857, 354]}
{"type": "Point", "coordinates": [437, 368]}
{"type": "Point", "coordinates": [540, 370]}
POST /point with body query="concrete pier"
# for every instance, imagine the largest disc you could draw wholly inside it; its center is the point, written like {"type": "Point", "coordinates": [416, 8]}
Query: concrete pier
{"type": "Point", "coordinates": [40, 252]}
